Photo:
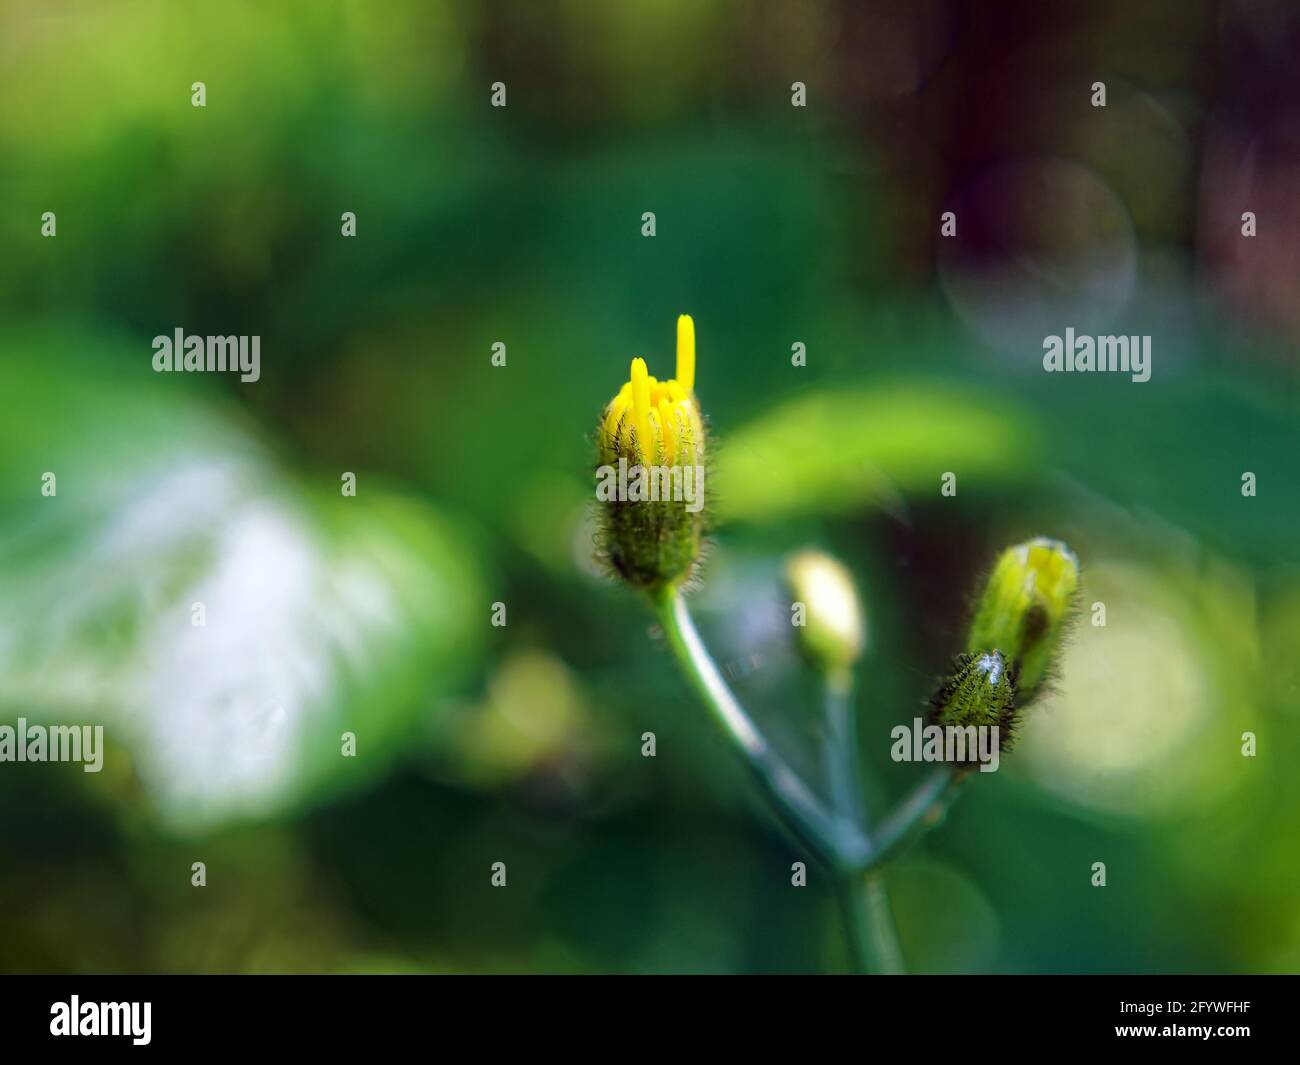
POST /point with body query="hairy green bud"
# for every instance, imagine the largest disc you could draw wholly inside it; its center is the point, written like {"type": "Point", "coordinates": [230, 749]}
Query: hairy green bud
{"type": "Point", "coordinates": [981, 692]}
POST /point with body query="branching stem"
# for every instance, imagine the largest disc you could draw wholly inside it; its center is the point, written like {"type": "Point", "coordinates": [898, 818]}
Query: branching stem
{"type": "Point", "coordinates": [835, 836]}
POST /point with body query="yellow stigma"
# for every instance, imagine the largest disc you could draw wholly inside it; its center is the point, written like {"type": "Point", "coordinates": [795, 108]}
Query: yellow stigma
{"type": "Point", "coordinates": [650, 419]}
{"type": "Point", "coordinates": [641, 409]}
{"type": "Point", "coordinates": [686, 352]}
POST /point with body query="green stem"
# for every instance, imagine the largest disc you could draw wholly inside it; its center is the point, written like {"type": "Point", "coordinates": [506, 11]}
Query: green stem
{"type": "Point", "coordinates": [850, 893]}
{"type": "Point", "coordinates": [872, 938]}
{"type": "Point", "coordinates": [880, 918]}
{"type": "Point", "coordinates": [835, 838]}
{"type": "Point", "coordinates": [840, 749]}
{"type": "Point", "coordinates": [924, 808]}
{"type": "Point", "coordinates": [869, 924]}
{"type": "Point", "coordinates": [834, 841]}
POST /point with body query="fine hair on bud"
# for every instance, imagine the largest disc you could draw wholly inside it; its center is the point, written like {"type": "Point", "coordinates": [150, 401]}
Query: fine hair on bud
{"type": "Point", "coordinates": [652, 483]}
{"type": "Point", "coordinates": [980, 692]}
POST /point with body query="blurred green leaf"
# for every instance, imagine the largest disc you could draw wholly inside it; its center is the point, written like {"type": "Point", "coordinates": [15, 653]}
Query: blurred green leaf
{"type": "Point", "coordinates": [834, 452]}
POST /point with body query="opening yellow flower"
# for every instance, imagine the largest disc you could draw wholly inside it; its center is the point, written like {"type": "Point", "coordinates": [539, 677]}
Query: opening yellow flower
{"type": "Point", "coordinates": [652, 421]}
{"type": "Point", "coordinates": [650, 478]}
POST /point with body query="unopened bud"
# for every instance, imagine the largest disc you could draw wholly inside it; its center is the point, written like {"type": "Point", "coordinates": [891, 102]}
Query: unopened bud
{"type": "Point", "coordinates": [650, 477]}
{"type": "Point", "coordinates": [833, 633]}
{"type": "Point", "coordinates": [981, 692]}
{"type": "Point", "coordinates": [1024, 607]}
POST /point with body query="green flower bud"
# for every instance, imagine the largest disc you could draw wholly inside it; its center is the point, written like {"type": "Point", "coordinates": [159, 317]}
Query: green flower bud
{"type": "Point", "coordinates": [833, 630]}
{"type": "Point", "coordinates": [980, 692]}
{"type": "Point", "coordinates": [650, 477]}
{"type": "Point", "coordinates": [1023, 610]}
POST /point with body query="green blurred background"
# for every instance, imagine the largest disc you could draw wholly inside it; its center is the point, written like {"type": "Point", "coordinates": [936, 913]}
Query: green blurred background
{"type": "Point", "coordinates": [776, 225]}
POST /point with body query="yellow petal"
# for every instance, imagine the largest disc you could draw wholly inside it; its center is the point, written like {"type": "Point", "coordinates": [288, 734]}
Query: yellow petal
{"type": "Point", "coordinates": [655, 434]}
{"type": "Point", "coordinates": [689, 414]}
{"type": "Point", "coordinates": [668, 430]}
{"type": "Point", "coordinates": [686, 352]}
{"type": "Point", "coordinates": [618, 407]}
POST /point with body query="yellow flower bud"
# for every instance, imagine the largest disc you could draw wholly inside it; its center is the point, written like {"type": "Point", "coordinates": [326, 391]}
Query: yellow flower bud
{"type": "Point", "coordinates": [650, 477]}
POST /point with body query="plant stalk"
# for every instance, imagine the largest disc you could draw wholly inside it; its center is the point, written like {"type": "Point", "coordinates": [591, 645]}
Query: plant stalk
{"type": "Point", "coordinates": [835, 842]}
{"type": "Point", "coordinates": [837, 838]}
{"type": "Point", "coordinates": [868, 921]}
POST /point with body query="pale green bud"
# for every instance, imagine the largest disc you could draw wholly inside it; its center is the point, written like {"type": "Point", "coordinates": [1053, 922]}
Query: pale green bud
{"type": "Point", "coordinates": [833, 631]}
{"type": "Point", "coordinates": [1024, 607]}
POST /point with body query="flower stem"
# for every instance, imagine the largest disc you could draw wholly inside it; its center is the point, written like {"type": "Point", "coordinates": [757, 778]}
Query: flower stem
{"type": "Point", "coordinates": [830, 838]}
{"type": "Point", "coordinates": [840, 747]}
{"type": "Point", "coordinates": [873, 939]}
{"type": "Point", "coordinates": [881, 919]}
{"type": "Point", "coordinates": [837, 838]}
{"type": "Point", "coordinates": [924, 808]}
{"type": "Point", "coordinates": [850, 893]}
